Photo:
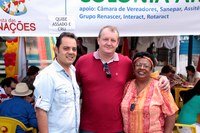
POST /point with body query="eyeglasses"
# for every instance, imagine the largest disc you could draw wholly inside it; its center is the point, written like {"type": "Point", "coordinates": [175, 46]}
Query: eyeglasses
{"type": "Point", "coordinates": [107, 70]}
{"type": "Point", "coordinates": [12, 88]}
{"type": "Point", "coordinates": [144, 66]}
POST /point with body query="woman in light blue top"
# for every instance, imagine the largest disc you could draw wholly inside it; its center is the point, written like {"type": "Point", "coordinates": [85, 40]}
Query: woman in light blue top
{"type": "Point", "coordinates": [191, 109]}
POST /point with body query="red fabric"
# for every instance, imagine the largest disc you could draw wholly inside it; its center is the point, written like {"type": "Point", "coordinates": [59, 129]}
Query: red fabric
{"type": "Point", "coordinates": [198, 66]}
{"type": "Point", "coordinates": [101, 96]}
{"type": "Point", "coordinates": [125, 48]}
{"type": "Point", "coordinates": [3, 97]}
{"type": "Point", "coordinates": [10, 59]}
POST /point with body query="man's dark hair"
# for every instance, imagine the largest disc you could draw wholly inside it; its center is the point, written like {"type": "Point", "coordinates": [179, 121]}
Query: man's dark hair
{"type": "Point", "coordinates": [32, 70]}
{"type": "Point", "coordinates": [7, 82]}
{"type": "Point", "coordinates": [80, 38]}
{"type": "Point", "coordinates": [190, 68]}
{"type": "Point", "coordinates": [64, 34]}
{"type": "Point", "coordinates": [166, 69]}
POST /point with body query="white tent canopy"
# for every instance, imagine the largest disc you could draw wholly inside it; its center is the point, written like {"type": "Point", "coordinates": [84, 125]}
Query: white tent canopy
{"type": "Point", "coordinates": [133, 18]}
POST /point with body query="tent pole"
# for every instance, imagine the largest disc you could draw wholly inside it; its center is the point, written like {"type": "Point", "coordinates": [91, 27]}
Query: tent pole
{"type": "Point", "coordinates": [190, 49]}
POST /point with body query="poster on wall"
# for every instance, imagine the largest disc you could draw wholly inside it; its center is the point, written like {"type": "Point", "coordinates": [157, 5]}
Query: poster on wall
{"type": "Point", "coordinates": [86, 17]}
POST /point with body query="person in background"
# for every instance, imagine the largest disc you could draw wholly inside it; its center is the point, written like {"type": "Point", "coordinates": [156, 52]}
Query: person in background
{"type": "Point", "coordinates": [19, 108]}
{"type": "Point", "coordinates": [32, 72]}
{"type": "Point", "coordinates": [146, 108]}
{"type": "Point", "coordinates": [57, 94]}
{"type": "Point", "coordinates": [191, 109]}
{"type": "Point", "coordinates": [102, 75]}
{"type": "Point", "coordinates": [81, 49]}
{"type": "Point", "coordinates": [170, 73]}
{"type": "Point", "coordinates": [7, 85]}
{"type": "Point", "coordinates": [187, 95]}
{"type": "Point", "coordinates": [192, 75]}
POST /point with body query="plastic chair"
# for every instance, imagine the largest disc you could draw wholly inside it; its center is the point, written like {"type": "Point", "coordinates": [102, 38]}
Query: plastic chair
{"type": "Point", "coordinates": [178, 89]}
{"type": "Point", "coordinates": [193, 127]}
{"type": "Point", "coordinates": [9, 125]}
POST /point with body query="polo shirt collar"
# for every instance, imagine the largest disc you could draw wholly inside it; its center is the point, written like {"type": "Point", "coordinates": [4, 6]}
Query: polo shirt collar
{"type": "Point", "coordinates": [115, 57]}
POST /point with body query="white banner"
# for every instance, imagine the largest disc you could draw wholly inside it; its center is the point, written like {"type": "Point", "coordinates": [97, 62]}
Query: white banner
{"type": "Point", "coordinates": [86, 17]}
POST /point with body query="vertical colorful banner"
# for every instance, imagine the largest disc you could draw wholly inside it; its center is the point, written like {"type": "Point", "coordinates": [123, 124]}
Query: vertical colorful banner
{"type": "Point", "coordinates": [10, 57]}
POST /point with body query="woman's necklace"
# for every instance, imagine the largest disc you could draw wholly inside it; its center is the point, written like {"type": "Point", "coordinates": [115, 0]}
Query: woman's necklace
{"type": "Point", "coordinates": [140, 86]}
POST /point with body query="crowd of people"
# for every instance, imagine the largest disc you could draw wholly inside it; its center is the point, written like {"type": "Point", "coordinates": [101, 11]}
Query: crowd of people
{"type": "Point", "coordinates": [19, 107]}
{"type": "Point", "coordinates": [98, 92]}
{"type": "Point", "coordinates": [17, 101]}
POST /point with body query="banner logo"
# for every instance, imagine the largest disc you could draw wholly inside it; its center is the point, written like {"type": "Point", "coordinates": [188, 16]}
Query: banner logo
{"type": "Point", "coordinates": [13, 7]}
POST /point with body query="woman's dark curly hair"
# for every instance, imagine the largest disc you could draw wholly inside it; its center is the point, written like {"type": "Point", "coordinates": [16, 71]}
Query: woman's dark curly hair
{"type": "Point", "coordinates": [144, 54]}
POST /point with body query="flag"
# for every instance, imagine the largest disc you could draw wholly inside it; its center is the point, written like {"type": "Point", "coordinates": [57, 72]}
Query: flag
{"type": "Point", "coordinates": [42, 50]}
{"type": "Point", "coordinates": [52, 43]}
{"type": "Point", "coordinates": [125, 48]}
{"type": "Point", "coordinates": [22, 64]}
